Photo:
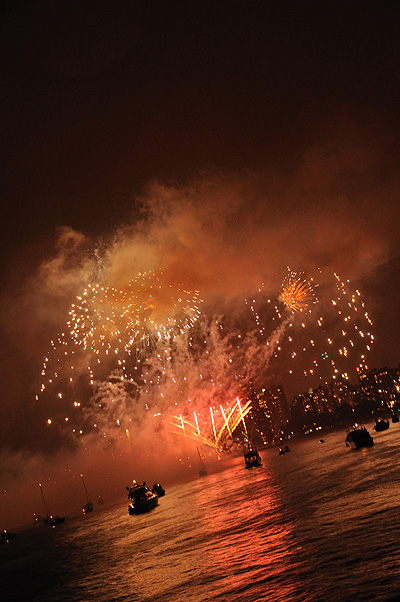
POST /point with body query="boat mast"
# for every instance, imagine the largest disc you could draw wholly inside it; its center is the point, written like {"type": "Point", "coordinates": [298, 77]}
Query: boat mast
{"type": "Point", "coordinates": [86, 492]}
{"type": "Point", "coordinates": [201, 461]}
{"type": "Point", "coordinates": [44, 501]}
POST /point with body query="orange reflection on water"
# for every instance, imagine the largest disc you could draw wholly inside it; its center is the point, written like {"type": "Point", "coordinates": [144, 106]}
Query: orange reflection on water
{"type": "Point", "coordinates": [249, 538]}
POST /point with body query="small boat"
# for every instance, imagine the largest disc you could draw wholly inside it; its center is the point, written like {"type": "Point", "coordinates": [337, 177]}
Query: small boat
{"type": "Point", "coordinates": [49, 519]}
{"type": "Point", "coordinates": [358, 437]}
{"type": "Point", "coordinates": [56, 520]}
{"type": "Point", "coordinates": [158, 489]}
{"type": "Point", "coordinates": [381, 424]}
{"type": "Point", "coordinates": [6, 536]}
{"type": "Point", "coordinates": [88, 507]}
{"type": "Point", "coordinates": [142, 498]}
{"type": "Point", "coordinates": [321, 441]}
{"type": "Point", "coordinates": [284, 450]}
{"type": "Point", "coordinates": [100, 500]}
{"type": "Point", "coordinates": [203, 470]}
{"type": "Point", "coordinates": [395, 417]}
{"type": "Point", "coordinates": [38, 519]}
{"type": "Point", "coordinates": [251, 456]}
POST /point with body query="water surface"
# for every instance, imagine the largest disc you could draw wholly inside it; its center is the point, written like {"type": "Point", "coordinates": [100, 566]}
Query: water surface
{"type": "Point", "coordinates": [317, 524]}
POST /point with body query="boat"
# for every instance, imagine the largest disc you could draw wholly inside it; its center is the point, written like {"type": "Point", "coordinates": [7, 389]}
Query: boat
{"type": "Point", "coordinates": [49, 519]}
{"type": "Point", "coordinates": [38, 519]}
{"type": "Point", "coordinates": [6, 536]}
{"type": "Point", "coordinates": [251, 456]}
{"type": "Point", "coordinates": [381, 424]}
{"type": "Point", "coordinates": [143, 500]}
{"type": "Point", "coordinates": [358, 437]}
{"type": "Point", "coordinates": [100, 500]}
{"type": "Point", "coordinates": [56, 520]}
{"type": "Point", "coordinates": [88, 507]}
{"type": "Point", "coordinates": [158, 489]}
{"type": "Point", "coordinates": [395, 417]}
{"type": "Point", "coordinates": [284, 450]}
{"type": "Point", "coordinates": [203, 470]}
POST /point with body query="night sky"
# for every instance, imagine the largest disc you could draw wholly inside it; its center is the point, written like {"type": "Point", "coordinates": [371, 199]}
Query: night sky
{"type": "Point", "coordinates": [221, 141]}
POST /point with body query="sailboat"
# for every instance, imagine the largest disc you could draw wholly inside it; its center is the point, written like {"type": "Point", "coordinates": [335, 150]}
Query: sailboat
{"type": "Point", "coordinates": [49, 519]}
{"type": "Point", "coordinates": [88, 507]}
{"type": "Point", "coordinates": [203, 470]}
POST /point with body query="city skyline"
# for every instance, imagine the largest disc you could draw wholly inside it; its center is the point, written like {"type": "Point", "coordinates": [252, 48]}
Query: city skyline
{"type": "Point", "coordinates": [332, 405]}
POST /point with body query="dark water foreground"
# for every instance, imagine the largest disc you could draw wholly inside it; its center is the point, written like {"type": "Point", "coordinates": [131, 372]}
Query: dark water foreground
{"type": "Point", "coordinates": [320, 523]}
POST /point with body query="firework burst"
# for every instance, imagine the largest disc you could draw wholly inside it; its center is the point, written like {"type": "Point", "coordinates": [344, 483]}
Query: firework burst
{"type": "Point", "coordinates": [106, 320]}
{"type": "Point", "coordinates": [110, 332]}
{"type": "Point", "coordinates": [320, 338]}
{"type": "Point", "coordinates": [297, 293]}
{"type": "Point", "coordinates": [192, 363]}
{"type": "Point", "coordinates": [101, 320]}
{"type": "Point", "coordinates": [163, 309]}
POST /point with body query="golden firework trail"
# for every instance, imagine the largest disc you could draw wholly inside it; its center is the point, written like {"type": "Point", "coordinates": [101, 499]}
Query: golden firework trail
{"type": "Point", "coordinates": [213, 423]}
{"type": "Point", "coordinates": [242, 415]}
{"type": "Point", "coordinates": [231, 421]}
{"type": "Point", "coordinates": [226, 422]}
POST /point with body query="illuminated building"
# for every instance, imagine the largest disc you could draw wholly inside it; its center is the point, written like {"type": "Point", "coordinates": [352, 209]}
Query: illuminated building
{"type": "Point", "coordinates": [323, 400]}
{"type": "Point", "coordinates": [322, 407]}
{"type": "Point", "coordinates": [381, 386]}
{"type": "Point", "coordinates": [302, 404]}
{"type": "Point", "coordinates": [341, 391]}
{"type": "Point", "coordinates": [270, 414]}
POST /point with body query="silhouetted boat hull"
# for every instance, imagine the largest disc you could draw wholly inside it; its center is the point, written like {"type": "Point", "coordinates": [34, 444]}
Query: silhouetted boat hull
{"type": "Point", "coordinates": [158, 489]}
{"type": "Point", "coordinates": [359, 437]}
{"type": "Point", "coordinates": [251, 457]}
{"type": "Point", "coordinates": [56, 520]}
{"type": "Point", "coordinates": [87, 508]}
{"type": "Point", "coordinates": [381, 425]}
{"type": "Point", "coordinates": [143, 500]}
{"type": "Point", "coordinates": [6, 536]}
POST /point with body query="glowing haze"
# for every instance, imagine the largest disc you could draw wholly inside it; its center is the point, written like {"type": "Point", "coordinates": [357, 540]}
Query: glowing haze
{"type": "Point", "coordinates": [160, 305]}
{"type": "Point", "coordinates": [163, 172]}
{"type": "Point", "coordinates": [148, 337]}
